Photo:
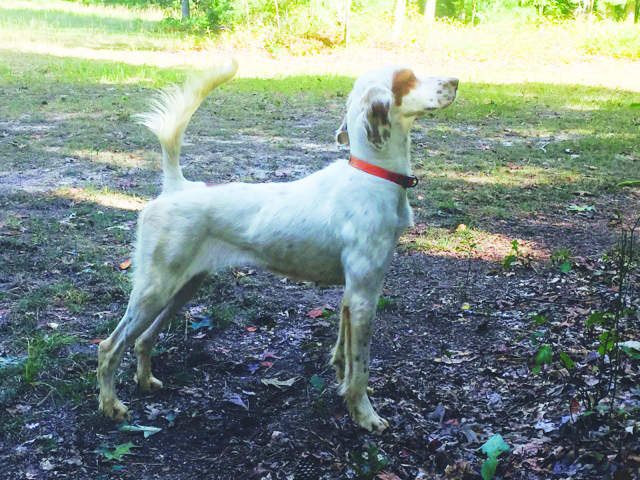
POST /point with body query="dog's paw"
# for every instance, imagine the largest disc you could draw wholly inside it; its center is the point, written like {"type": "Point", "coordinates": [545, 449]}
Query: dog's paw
{"type": "Point", "coordinates": [373, 422]}
{"type": "Point", "coordinates": [364, 415]}
{"type": "Point", "coordinates": [148, 384]}
{"type": "Point", "coordinates": [113, 408]}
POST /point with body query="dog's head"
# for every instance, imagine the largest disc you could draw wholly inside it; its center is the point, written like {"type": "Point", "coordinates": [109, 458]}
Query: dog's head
{"type": "Point", "coordinates": [390, 99]}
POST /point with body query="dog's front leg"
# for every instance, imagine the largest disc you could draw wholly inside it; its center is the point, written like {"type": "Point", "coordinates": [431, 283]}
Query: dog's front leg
{"type": "Point", "coordinates": [357, 318]}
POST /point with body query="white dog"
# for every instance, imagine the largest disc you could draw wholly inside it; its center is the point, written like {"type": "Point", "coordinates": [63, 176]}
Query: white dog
{"type": "Point", "coordinates": [336, 226]}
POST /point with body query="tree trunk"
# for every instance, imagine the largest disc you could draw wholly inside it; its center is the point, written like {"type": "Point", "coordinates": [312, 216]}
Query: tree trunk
{"type": "Point", "coordinates": [275, 2]}
{"type": "Point", "coordinates": [347, 32]}
{"type": "Point", "coordinates": [430, 10]}
{"type": "Point", "coordinates": [185, 9]}
{"type": "Point", "coordinates": [245, 8]}
{"type": "Point", "coordinates": [399, 12]}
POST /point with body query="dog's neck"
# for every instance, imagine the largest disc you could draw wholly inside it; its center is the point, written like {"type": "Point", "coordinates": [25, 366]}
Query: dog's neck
{"type": "Point", "coordinates": [394, 155]}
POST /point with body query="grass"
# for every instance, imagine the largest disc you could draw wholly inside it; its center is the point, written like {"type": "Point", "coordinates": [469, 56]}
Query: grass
{"type": "Point", "coordinates": [40, 353]}
{"type": "Point", "coordinates": [93, 27]}
{"type": "Point", "coordinates": [502, 150]}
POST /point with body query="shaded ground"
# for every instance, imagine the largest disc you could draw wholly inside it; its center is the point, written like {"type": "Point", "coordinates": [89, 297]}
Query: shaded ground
{"type": "Point", "coordinates": [446, 377]}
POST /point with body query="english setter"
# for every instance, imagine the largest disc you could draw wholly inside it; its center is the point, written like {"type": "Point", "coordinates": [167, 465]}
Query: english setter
{"type": "Point", "coordinates": [337, 226]}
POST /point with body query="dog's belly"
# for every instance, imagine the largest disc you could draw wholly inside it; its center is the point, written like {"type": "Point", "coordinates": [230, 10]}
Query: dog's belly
{"type": "Point", "coordinates": [308, 264]}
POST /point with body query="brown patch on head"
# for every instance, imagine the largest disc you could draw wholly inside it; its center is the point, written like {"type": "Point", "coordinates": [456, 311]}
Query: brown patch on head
{"type": "Point", "coordinates": [403, 82]}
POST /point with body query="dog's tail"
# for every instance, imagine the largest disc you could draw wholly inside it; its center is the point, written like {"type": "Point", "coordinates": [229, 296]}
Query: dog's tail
{"type": "Point", "coordinates": [169, 116]}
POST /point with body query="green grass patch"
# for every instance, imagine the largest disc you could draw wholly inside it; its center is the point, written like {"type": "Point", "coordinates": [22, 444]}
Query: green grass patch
{"type": "Point", "coordinates": [41, 351]}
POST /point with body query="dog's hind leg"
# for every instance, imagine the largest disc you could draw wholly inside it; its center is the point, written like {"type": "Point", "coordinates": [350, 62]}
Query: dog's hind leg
{"type": "Point", "coordinates": [143, 377]}
{"type": "Point", "coordinates": [337, 355]}
{"type": "Point", "coordinates": [144, 306]}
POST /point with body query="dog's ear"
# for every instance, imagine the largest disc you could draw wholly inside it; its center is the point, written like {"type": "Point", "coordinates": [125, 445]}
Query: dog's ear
{"type": "Point", "coordinates": [377, 121]}
{"type": "Point", "coordinates": [342, 136]}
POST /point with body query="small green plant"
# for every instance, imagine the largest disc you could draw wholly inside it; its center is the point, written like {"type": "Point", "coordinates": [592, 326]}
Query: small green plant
{"type": "Point", "coordinates": [448, 206]}
{"type": "Point", "coordinates": [385, 304]}
{"type": "Point", "coordinates": [608, 327]}
{"type": "Point", "coordinates": [318, 397]}
{"type": "Point", "coordinates": [221, 317]}
{"type": "Point", "coordinates": [317, 382]}
{"type": "Point", "coordinates": [544, 353]}
{"type": "Point", "coordinates": [11, 378]}
{"type": "Point", "coordinates": [467, 247]}
{"type": "Point", "coordinates": [511, 258]}
{"type": "Point", "coordinates": [78, 388]}
{"type": "Point", "coordinates": [544, 356]}
{"type": "Point", "coordinates": [224, 315]}
{"type": "Point", "coordinates": [492, 448]}
{"type": "Point", "coordinates": [117, 452]}
{"type": "Point", "coordinates": [72, 297]}
{"type": "Point", "coordinates": [562, 258]}
{"type": "Point", "coordinates": [607, 338]}
{"type": "Point", "coordinates": [40, 350]}
{"type": "Point", "coordinates": [368, 464]}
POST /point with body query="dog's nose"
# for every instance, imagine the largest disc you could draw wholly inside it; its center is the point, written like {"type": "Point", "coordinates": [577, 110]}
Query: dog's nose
{"type": "Point", "coordinates": [453, 83]}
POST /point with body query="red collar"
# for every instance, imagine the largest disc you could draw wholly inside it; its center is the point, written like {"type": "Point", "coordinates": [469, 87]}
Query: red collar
{"type": "Point", "coordinates": [402, 180]}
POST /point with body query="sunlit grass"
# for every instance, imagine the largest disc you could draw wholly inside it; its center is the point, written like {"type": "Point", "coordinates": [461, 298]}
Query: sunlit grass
{"type": "Point", "coordinates": [105, 197]}
{"type": "Point", "coordinates": [513, 175]}
{"type": "Point", "coordinates": [150, 13]}
{"type": "Point", "coordinates": [470, 242]}
{"type": "Point", "coordinates": [70, 25]}
{"type": "Point", "coordinates": [55, 66]}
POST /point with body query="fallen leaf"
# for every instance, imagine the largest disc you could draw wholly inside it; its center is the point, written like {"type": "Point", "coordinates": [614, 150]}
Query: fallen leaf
{"type": "Point", "coordinates": [437, 414]}
{"type": "Point", "coordinates": [253, 367]}
{"type": "Point", "coordinates": [469, 433]}
{"type": "Point", "coordinates": [147, 431]}
{"type": "Point", "coordinates": [171, 418]}
{"type": "Point", "coordinates": [202, 322]}
{"type": "Point", "coordinates": [236, 399]}
{"type": "Point", "coordinates": [316, 312]}
{"type": "Point", "coordinates": [125, 264]}
{"type": "Point", "coordinates": [494, 446]}
{"type": "Point", "coordinates": [317, 382]}
{"type": "Point", "coordinates": [545, 426]}
{"type": "Point", "coordinates": [279, 383]}
{"type": "Point", "coordinates": [574, 406]}
{"type": "Point", "coordinates": [46, 465]}
{"type": "Point", "coordinates": [387, 476]}
{"type": "Point", "coordinates": [269, 354]}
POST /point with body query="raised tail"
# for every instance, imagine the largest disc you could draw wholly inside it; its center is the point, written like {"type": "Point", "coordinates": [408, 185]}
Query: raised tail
{"type": "Point", "coordinates": [169, 116]}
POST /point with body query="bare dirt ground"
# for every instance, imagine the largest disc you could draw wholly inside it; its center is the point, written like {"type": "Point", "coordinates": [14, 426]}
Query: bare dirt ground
{"type": "Point", "coordinates": [447, 377]}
